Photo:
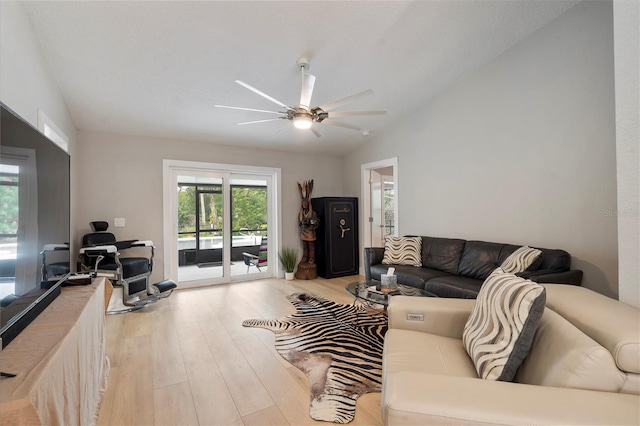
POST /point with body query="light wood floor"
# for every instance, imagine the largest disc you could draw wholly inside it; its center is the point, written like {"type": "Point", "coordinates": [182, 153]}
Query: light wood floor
{"type": "Point", "coordinates": [187, 360]}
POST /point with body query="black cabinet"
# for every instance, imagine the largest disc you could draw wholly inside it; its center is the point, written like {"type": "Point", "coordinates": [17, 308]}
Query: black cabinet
{"type": "Point", "coordinates": [337, 236]}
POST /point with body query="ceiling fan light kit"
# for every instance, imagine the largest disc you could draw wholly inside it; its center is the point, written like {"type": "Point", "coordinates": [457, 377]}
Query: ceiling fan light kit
{"type": "Point", "coordinates": [303, 116]}
{"type": "Point", "coordinates": [302, 121]}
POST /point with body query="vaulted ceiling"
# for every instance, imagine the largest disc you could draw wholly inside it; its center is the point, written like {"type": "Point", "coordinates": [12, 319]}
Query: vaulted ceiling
{"type": "Point", "coordinates": [158, 68]}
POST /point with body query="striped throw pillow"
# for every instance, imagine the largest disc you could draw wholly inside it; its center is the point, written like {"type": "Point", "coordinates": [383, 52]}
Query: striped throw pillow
{"type": "Point", "coordinates": [520, 260]}
{"type": "Point", "coordinates": [402, 251]}
{"type": "Point", "coordinates": [500, 329]}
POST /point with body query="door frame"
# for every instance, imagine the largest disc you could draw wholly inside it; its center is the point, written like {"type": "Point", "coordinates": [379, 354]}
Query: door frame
{"type": "Point", "coordinates": [170, 168]}
{"type": "Point", "coordinates": [366, 196]}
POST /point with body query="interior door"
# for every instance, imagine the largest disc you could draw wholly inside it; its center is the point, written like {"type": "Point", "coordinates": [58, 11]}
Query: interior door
{"type": "Point", "coordinates": [379, 190]}
{"type": "Point", "coordinates": [377, 210]}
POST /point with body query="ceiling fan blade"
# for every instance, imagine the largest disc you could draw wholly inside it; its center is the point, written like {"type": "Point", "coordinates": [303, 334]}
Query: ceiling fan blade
{"type": "Point", "coordinates": [282, 129]}
{"type": "Point", "coordinates": [354, 113]}
{"type": "Point", "coordinates": [315, 131]}
{"type": "Point", "coordinates": [249, 109]}
{"type": "Point", "coordinates": [308, 82]}
{"type": "Point", "coordinates": [335, 104]}
{"type": "Point", "coordinates": [340, 124]}
{"type": "Point", "coordinates": [258, 121]}
{"type": "Point", "coordinates": [264, 95]}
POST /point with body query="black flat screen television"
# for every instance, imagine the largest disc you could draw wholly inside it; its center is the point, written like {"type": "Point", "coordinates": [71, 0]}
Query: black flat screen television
{"type": "Point", "coordinates": [34, 213]}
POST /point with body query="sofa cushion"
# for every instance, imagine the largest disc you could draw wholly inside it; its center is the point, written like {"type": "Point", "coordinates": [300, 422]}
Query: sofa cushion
{"type": "Point", "coordinates": [442, 253]}
{"type": "Point", "coordinates": [402, 251]}
{"type": "Point", "coordinates": [520, 260]}
{"type": "Point", "coordinates": [414, 276]}
{"type": "Point", "coordinates": [500, 330]}
{"type": "Point", "coordinates": [554, 260]}
{"type": "Point", "coordinates": [408, 350]}
{"type": "Point", "coordinates": [563, 356]}
{"type": "Point", "coordinates": [479, 259]}
{"type": "Point", "coordinates": [454, 286]}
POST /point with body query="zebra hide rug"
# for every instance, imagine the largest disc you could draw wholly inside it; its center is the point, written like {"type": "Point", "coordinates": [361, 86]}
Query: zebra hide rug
{"type": "Point", "coordinates": [338, 347]}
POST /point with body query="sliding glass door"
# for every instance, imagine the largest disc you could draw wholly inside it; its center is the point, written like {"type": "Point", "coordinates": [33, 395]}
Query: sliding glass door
{"type": "Point", "coordinates": [223, 225]}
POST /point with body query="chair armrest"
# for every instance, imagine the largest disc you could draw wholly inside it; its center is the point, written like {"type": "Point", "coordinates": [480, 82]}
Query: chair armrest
{"type": "Point", "coordinates": [55, 247]}
{"type": "Point", "coordinates": [372, 256]}
{"type": "Point", "coordinates": [142, 243]}
{"type": "Point", "coordinates": [249, 255]}
{"type": "Point", "coordinates": [99, 249]}
{"type": "Point", "coordinates": [441, 316]}
{"type": "Point", "coordinates": [573, 277]}
{"type": "Point", "coordinates": [462, 400]}
{"type": "Point", "coordinates": [124, 244]}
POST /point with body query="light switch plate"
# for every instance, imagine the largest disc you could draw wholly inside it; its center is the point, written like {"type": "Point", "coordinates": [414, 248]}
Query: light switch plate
{"type": "Point", "coordinates": [118, 222]}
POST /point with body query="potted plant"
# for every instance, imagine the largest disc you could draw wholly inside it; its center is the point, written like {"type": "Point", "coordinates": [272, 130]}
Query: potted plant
{"type": "Point", "coordinates": [288, 257]}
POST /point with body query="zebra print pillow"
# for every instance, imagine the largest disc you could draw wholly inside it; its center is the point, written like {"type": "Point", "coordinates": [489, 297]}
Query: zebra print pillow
{"type": "Point", "coordinates": [520, 260]}
{"type": "Point", "coordinates": [402, 251]}
{"type": "Point", "coordinates": [500, 329]}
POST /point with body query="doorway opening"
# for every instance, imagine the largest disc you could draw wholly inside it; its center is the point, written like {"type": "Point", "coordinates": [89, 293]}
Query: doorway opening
{"type": "Point", "coordinates": [380, 201]}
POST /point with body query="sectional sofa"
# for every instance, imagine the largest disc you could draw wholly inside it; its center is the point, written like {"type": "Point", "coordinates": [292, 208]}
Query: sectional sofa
{"type": "Point", "coordinates": [457, 268]}
{"type": "Point", "coordinates": [583, 366]}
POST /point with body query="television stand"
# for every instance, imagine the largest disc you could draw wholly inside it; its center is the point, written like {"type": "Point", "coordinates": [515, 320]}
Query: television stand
{"type": "Point", "coordinates": [66, 342]}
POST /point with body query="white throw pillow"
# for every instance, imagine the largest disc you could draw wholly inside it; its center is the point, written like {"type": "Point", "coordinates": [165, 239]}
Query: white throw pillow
{"type": "Point", "coordinates": [402, 251]}
{"type": "Point", "coordinates": [520, 260]}
{"type": "Point", "coordinates": [500, 329]}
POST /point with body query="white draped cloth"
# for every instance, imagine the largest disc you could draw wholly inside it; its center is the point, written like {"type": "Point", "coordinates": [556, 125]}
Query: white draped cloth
{"type": "Point", "coordinates": [60, 361]}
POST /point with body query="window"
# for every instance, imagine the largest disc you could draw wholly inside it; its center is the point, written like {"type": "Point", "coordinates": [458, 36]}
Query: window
{"type": "Point", "coordinates": [50, 130]}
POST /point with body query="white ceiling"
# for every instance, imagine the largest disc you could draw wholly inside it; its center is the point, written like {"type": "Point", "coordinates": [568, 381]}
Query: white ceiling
{"type": "Point", "coordinates": [158, 68]}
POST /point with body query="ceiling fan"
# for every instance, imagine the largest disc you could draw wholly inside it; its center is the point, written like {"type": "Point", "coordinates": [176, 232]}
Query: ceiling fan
{"type": "Point", "coordinates": [303, 116]}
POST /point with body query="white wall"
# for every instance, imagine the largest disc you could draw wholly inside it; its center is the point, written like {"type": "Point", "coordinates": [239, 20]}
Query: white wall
{"type": "Point", "coordinates": [521, 151]}
{"type": "Point", "coordinates": [26, 81]}
{"type": "Point", "coordinates": [121, 176]}
{"type": "Point", "coordinates": [627, 72]}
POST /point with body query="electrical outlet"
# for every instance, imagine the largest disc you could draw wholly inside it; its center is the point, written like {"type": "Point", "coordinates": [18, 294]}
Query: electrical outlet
{"type": "Point", "coordinates": [415, 317]}
{"type": "Point", "coordinates": [118, 222]}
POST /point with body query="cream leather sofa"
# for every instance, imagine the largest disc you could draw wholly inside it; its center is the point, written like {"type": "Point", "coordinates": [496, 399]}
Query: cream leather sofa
{"type": "Point", "coordinates": [583, 368]}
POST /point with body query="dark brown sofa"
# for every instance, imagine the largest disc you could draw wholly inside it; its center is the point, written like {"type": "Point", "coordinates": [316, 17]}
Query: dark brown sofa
{"type": "Point", "coordinates": [457, 268]}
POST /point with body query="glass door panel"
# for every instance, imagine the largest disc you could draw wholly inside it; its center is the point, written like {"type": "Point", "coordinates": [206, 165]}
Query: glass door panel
{"type": "Point", "coordinates": [201, 230]}
{"type": "Point", "coordinates": [389, 205]}
{"type": "Point", "coordinates": [249, 219]}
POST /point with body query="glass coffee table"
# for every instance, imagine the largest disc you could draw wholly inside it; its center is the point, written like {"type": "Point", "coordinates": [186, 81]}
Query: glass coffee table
{"type": "Point", "coordinates": [366, 290]}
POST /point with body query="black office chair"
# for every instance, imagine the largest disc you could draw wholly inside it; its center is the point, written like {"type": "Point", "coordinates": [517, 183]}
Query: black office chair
{"type": "Point", "coordinates": [101, 254]}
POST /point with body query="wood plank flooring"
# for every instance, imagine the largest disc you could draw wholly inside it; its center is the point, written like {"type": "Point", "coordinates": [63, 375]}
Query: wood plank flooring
{"type": "Point", "coordinates": [187, 360]}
